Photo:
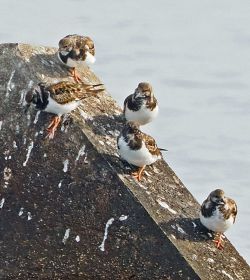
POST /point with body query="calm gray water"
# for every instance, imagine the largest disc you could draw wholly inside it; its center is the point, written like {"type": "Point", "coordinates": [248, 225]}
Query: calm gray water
{"type": "Point", "coordinates": [195, 54]}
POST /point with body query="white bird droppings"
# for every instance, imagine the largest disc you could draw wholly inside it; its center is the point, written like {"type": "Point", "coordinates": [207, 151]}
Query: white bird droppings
{"type": "Point", "coordinates": [65, 165]}
{"type": "Point", "coordinates": [173, 236]}
{"type": "Point", "coordinates": [141, 185]}
{"type": "Point", "coordinates": [147, 173]}
{"type": "Point", "coordinates": [77, 238]}
{"type": "Point", "coordinates": [166, 206]}
{"type": "Point", "coordinates": [1, 123]}
{"type": "Point", "coordinates": [29, 216]}
{"type": "Point", "coordinates": [20, 211]}
{"type": "Point", "coordinates": [123, 218]}
{"type": "Point", "coordinates": [108, 224]}
{"type": "Point", "coordinates": [194, 257]}
{"type": "Point", "coordinates": [9, 84]}
{"type": "Point", "coordinates": [228, 275]}
{"type": "Point", "coordinates": [28, 153]}
{"type": "Point", "coordinates": [22, 97]}
{"type": "Point", "coordinates": [180, 229]}
{"type": "Point", "coordinates": [66, 236]}
{"type": "Point", "coordinates": [210, 260]}
{"type": "Point", "coordinates": [60, 184]}
{"type": "Point", "coordinates": [194, 224]}
{"type": "Point", "coordinates": [36, 117]}
{"type": "Point", "coordinates": [2, 203]}
{"type": "Point", "coordinates": [81, 152]}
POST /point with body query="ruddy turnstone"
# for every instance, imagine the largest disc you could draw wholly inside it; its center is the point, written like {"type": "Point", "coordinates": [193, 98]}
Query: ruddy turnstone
{"type": "Point", "coordinates": [218, 214]}
{"type": "Point", "coordinates": [60, 98]}
{"type": "Point", "coordinates": [74, 50]}
{"type": "Point", "coordinates": [141, 106]}
{"type": "Point", "coordinates": [137, 148]}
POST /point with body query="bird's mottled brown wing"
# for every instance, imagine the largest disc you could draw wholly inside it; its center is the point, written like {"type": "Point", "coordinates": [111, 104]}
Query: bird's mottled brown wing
{"type": "Point", "coordinates": [151, 104]}
{"type": "Point", "coordinates": [83, 44]}
{"type": "Point", "coordinates": [89, 42]}
{"type": "Point", "coordinates": [65, 92]}
{"type": "Point", "coordinates": [150, 143]}
{"type": "Point", "coordinates": [80, 44]}
{"type": "Point", "coordinates": [233, 207]}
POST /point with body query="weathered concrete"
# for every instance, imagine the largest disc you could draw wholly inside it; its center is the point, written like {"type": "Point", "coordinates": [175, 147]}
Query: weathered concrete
{"type": "Point", "coordinates": [48, 187]}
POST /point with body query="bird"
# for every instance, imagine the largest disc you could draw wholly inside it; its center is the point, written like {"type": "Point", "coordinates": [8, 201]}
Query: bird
{"type": "Point", "coordinates": [141, 106]}
{"type": "Point", "coordinates": [218, 213]}
{"type": "Point", "coordinates": [59, 98]}
{"type": "Point", "coordinates": [137, 148]}
{"type": "Point", "coordinates": [75, 50]}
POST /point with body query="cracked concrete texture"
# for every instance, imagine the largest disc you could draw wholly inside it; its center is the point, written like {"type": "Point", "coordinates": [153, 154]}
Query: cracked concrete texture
{"type": "Point", "coordinates": [57, 196]}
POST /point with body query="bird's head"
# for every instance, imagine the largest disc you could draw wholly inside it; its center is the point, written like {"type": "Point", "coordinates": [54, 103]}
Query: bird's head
{"type": "Point", "coordinates": [131, 128]}
{"type": "Point", "coordinates": [89, 45]}
{"type": "Point", "coordinates": [65, 45]}
{"type": "Point", "coordinates": [144, 90]}
{"type": "Point", "coordinates": [217, 196]}
{"type": "Point", "coordinates": [34, 95]}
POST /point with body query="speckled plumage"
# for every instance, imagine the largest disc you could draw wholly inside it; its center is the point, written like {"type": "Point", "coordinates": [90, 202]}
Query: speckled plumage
{"type": "Point", "coordinates": [218, 213]}
{"type": "Point", "coordinates": [76, 48]}
{"type": "Point", "coordinates": [141, 106]}
{"type": "Point", "coordinates": [60, 98]}
{"type": "Point", "coordinates": [62, 93]}
{"type": "Point", "coordinates": [136, 147]}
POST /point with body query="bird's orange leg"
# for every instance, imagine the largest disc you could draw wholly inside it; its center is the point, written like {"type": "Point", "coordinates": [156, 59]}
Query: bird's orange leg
{"type": "Point", "coordinates": [138, 174]}
{"type": "Point", "coordinates": [218, 241]}
{"type": "Point", "coordinates": [53, 127]}
{"type": "Point", "coordinates": [75, 76]}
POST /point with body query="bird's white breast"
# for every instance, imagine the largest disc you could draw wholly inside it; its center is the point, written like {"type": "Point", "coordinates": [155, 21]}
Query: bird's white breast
{"type": "Point", "coordinates": [216, 222]}
{"type": "Point", "coordinates": [72, 63]}
{"type": "Point", "coordinates": [90, 59]}
{"type": "Point", "coordinates": [60, 109]}
{"type": "Point", "coordinates": [143, 116]}
{"type": "Point", "coordinates": [138, 157]}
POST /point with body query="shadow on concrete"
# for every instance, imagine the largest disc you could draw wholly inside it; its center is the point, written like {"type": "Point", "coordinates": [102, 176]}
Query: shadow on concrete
{"type": "Point", "coordinates": [106, 124]}
{"type": "Point", "coordinates": [187, 229]}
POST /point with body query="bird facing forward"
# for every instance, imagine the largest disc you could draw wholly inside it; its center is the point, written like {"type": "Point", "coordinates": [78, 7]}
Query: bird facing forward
{"type": "Point", "coordinates": [137, 148]}
{"type": "Point", "coordinates": [60, 98]}
{"type": "Point", "coordinates": [75, 50]}
{"type": "Point", "coordinates": [218, 214]}
{"type": "Point", "coordinates": [141, 106]}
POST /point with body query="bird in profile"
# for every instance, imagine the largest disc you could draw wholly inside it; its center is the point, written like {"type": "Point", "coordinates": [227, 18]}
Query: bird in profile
{"type": "Point", "coordinates": [59, 98]}
{"type": "Point", "coordinates": [141, 106]}
{"type": "Point", "coordinates": [137, 148]}
{"type": "Point", "coordinates": [218, 214]}
{"type": "Point", "coordinates": [75, 50]}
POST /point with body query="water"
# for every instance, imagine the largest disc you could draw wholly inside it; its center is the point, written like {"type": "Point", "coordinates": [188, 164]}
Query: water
{"type": "Point", "coordinates": [194, 53]}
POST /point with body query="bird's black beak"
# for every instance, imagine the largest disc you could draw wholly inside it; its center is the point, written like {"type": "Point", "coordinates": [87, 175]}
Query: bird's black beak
{"type": "Point", "coordinates": [221, 201]}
